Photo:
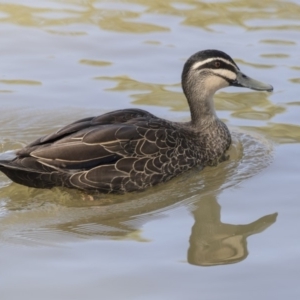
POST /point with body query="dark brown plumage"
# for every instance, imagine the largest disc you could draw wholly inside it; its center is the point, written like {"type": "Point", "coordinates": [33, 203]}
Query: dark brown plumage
{"type": "Point", "coordinates": [131, 149]}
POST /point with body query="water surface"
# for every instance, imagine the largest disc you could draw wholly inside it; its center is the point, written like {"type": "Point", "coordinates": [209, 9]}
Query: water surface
{"type": "Point", "coordinates": [226, 232]}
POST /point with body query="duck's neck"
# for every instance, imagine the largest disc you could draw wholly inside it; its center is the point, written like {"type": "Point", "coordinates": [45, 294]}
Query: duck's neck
{"type": "Point", "coordinates": [200, 100]}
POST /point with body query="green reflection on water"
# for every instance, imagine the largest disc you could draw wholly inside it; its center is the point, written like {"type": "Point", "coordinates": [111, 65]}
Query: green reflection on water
{"type": "Point", "coordinates": [249, 105]}
{"type": "Point", "coordinates": [84, 13]}
{"type": "Point", "coordinates": [294, 103]}
{"type": "Point", "coordinates": [116, 24]}
{"type": "Point", "coordinates": [6, 91]}
{"type": "Point", "coordinates": [275, 55]}
{"type": "Point", "coordinates": [295, 80]}
{"type": "Point", "coordinates": [258, 66]}
{"type": "Point", "coordinates": [193, 12]}
{"type": "Point", "coordinates": [279, 133]}
{"type": "Point", "coordinates": [95, 63]}
{"type": "Point", "coordinates": [20, 81]}
{"type": "Point", "coordinates": [153, 94]}
{"type": "Point", "coordinates": [67, 33]}
{"type": "Point", "coordinates": [278, 42]}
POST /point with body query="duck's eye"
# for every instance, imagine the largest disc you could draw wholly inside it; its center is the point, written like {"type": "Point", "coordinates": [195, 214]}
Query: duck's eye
{"type": "Point", "coordinates": [217, 64]}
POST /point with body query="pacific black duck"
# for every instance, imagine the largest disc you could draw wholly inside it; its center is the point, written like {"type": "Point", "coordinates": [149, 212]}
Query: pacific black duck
{"type": "Point", "coordinates": [131, 149]}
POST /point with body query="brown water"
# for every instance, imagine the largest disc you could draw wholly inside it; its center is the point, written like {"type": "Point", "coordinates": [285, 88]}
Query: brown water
{"type": "Point", "coordinates": [228, 232]}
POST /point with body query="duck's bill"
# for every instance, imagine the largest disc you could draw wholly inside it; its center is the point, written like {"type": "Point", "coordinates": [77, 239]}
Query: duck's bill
{"type": "Point", "coordinates": [244, 81]}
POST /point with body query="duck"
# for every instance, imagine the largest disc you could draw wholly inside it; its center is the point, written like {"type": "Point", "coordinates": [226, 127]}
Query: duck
{"type": "Point", "coordinates": [131, 149]}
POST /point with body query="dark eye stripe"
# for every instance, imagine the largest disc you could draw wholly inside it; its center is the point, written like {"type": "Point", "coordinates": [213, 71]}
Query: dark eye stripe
{"type": "Point", "coordinates": [211, 65]}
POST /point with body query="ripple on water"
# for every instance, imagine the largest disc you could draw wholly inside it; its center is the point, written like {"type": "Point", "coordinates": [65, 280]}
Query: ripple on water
{"type": "Point", "coordinates": [37, 217]}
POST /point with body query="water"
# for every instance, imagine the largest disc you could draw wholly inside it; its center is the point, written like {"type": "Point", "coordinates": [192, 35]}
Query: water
{"type": "Point", "coordinates": [226, 232]}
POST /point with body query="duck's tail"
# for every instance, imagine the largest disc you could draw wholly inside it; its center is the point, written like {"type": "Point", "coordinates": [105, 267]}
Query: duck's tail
{"type": "Point", "coordinates": [7, 156]}
{"type": "Point", "coordinates": [33, 178]}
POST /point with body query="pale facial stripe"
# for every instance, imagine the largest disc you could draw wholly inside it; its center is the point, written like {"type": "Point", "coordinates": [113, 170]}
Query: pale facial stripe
{"type": "Point", "coordinates": [201, 63]}
{"type": "Point", "coordinates": [224, 73]}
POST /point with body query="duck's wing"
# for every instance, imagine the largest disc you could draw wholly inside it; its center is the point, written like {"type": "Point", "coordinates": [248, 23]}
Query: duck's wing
{"type": "Point", "coordinates": [94, 141]}
{"type": "Point", "coordinates": [114, 117]}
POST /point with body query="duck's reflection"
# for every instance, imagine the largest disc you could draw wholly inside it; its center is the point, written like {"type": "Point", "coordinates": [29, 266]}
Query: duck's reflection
{"type": "Point", "coordinates": [213, 242]}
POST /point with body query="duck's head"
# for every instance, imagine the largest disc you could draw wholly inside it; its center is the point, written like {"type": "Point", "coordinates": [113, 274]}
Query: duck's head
{"type": "Point", "coordinates": [213, 70]}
